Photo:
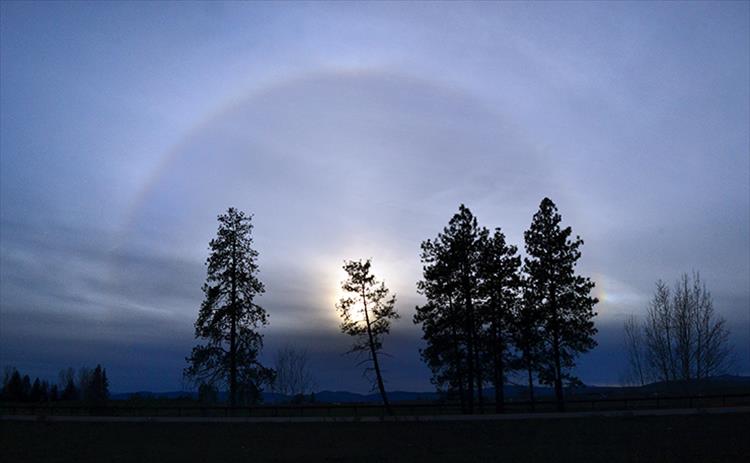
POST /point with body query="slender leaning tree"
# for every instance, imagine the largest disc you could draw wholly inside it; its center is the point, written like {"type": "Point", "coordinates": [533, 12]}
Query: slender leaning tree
{"type": "Point", "coordinates": [366, 315]}
{"type": "Point", "coordinates": [561, 298]}
{"type": "Point", "coordinates": [229, 318]}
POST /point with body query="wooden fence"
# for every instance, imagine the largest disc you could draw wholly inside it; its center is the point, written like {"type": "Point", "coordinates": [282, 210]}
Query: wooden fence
{"type": "Point", "coordinates": [128, 408]}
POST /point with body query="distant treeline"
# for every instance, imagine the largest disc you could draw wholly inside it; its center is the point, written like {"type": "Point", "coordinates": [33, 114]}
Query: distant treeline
{"type": "Point", "coordinates": [86, 384]}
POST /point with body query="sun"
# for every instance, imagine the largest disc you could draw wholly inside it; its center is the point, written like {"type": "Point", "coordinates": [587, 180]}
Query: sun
{"type": "Point", "coordinates": [357, 312]}
{"type": "Point", "coordinates": [331, 280]}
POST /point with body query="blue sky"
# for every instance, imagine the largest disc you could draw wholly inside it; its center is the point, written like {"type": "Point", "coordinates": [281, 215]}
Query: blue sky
{"type": "Point", "coordinates": [355, 130]}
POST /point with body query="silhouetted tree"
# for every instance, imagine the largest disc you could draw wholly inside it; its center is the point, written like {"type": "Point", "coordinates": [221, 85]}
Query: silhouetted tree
{"type": "Point", "coordinates": [528, 334]}
{"type": "Point", "coordinates": [36, 391]}
{"type": "Point", "coordinates": [104, 385]}
{"type": "Point", "coordinates": [54, 394]}
{"type": "Point", "coordinates": [229, 318]}
{"type": "Point", "coordinates": [635, 348]}
{"type": "Point", "coordinates": [68, 385]}
{"type": "Point", "coordinates": [25, 387]}
{"type": "Point", "coordinates": [84, 383]}
{"type": "Point", "coordinates": [499, 287]}
{"type": "Point", "coordinates": [293, 375]}
{"type": "Point", "coordinates": [366, 315]}
{"type": "Point", "coordinates": [7, 373]}
{"type": "Point", "coordinates": [14, 388]}
{"type": "Point", "coordinates": [443, 328]}
{"type": "Point", "coordinates": [451, 283]}
{"type": "Point", "coordinates": [562, 297]}
{"type": "Point", "coordinates": [97, 387]}
{"type": "Point", "coordinates": [684, 337]}
{"type": "Point", "coordinates": [45, 395]}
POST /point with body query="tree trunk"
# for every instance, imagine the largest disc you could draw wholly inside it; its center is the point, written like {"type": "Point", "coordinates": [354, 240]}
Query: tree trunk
{"type": "Point", "coordinates": [470, 345]}
{"type": "Point", "coordinates": [458, 370]}
{"type": "Point", "coordinates": [498, 348]}
{"type": "Point", "coordinates": [556, 350]}
{"type": "Point", "coordinates": [531, 383]}
{"type": "Point", "coordinates": [558, 373]}
{"type": "Point", "coordinates": [374, 356]}
{"type": "Point", "coordinates": [460, 377]}
{"type": "Point", "coordinates": [233, 364]}
{"type": "Point", "coordinates": [480, 381]}
{"type": "Point", "coordinates": [499, 375]}
{"type": "Point", "coordinates": [233, 334]}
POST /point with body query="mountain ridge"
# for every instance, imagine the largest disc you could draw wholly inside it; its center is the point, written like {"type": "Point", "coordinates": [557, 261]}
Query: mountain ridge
{"type": "Point", "coordinates": [512, 392]}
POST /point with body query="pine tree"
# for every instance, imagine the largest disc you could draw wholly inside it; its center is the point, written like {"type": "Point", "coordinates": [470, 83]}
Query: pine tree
{"type": "Point", "coordinates": [36, 391]}
{"type": "Point", "coordinates": [54, 394]}
{"type": "Point", "coordinates": [527, 334]}
{"type": "Point", "coordinates": [45, 396]}
{"type": "Point", "coordinates": [499, 286]}
{"type": "Point", "coordinates": [561, 297]}
{"type": "Point", "coordinates": [14, 388]}
{"type": "Point", "coordinates": [442, 323]}
{"type": "Point", "coordinates": [451, 320]}
{"type": "Point", "coordinates": [66, 382]}
{"type": "Point", "coordinates": [97, 388]}
{"type": "Point", "coordinates": [70, 392]}
{"type": "Point", "coordinates": [229, 318]}
{"type": "Point", "coordinates": [366, 315]}
{"type": "Point", "coordinates": [25, 388]}
{"type": "Point", "coordinates": [105, 385]}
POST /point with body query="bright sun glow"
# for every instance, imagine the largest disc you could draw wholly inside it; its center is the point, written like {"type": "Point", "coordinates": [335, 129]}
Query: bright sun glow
{"type": "Point", "coordinates": [337, 292]}
{"type": "Point", "coordinates": [357, 313]}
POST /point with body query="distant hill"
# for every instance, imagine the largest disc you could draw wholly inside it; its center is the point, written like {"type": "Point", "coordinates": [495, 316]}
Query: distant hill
{"type": "Point", "coordinates": [716, 385]}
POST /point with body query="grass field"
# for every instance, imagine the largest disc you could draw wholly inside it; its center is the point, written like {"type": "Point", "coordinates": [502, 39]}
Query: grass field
{"type": "Point", "coordinates": [700, 438]}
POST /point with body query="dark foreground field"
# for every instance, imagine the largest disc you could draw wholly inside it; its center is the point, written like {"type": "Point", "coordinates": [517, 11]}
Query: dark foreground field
{"type": "Point", "coordinates": [700, 438]}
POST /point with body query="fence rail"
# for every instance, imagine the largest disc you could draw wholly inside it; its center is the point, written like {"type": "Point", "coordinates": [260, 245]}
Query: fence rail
{"type": "Point", "coordinates": [126, 408]}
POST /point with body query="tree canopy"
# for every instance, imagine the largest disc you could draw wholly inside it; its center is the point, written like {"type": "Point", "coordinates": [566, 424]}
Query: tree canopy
{"type": "Point", "coordinates": [229, 319]}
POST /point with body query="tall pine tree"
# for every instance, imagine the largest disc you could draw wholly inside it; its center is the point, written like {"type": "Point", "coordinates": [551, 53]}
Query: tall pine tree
{"type": "Point", "coordinates": [561, 298]}
{"type": "Point", "coordinates": [451, 321]}
{"type": "Point", "coordinates": [229, 318]}
{"type": "Point", "coordinates": [527, 334]}
{"type": "Point", "coordinates": [499, 286]}
{"type": "Point", "coordinates": [441, 318]}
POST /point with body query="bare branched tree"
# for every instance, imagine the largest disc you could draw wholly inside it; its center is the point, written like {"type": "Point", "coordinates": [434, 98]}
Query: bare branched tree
{"type": "Point", "coordinates": [684, 337]}
{"type": "Point", "coordinates": [637, 371]}
{"type": "Point", "coordinates": [293, 375]}
{"type": "Point", "coordinates": [659, 334]}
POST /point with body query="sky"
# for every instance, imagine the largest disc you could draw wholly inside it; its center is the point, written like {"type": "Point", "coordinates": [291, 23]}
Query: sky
{"type": "Point", "coordinates": [355, 130]}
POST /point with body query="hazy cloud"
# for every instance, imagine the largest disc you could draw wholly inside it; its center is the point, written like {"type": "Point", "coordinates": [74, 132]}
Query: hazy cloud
{"type": "Point", "coordinates": [354, 132]}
